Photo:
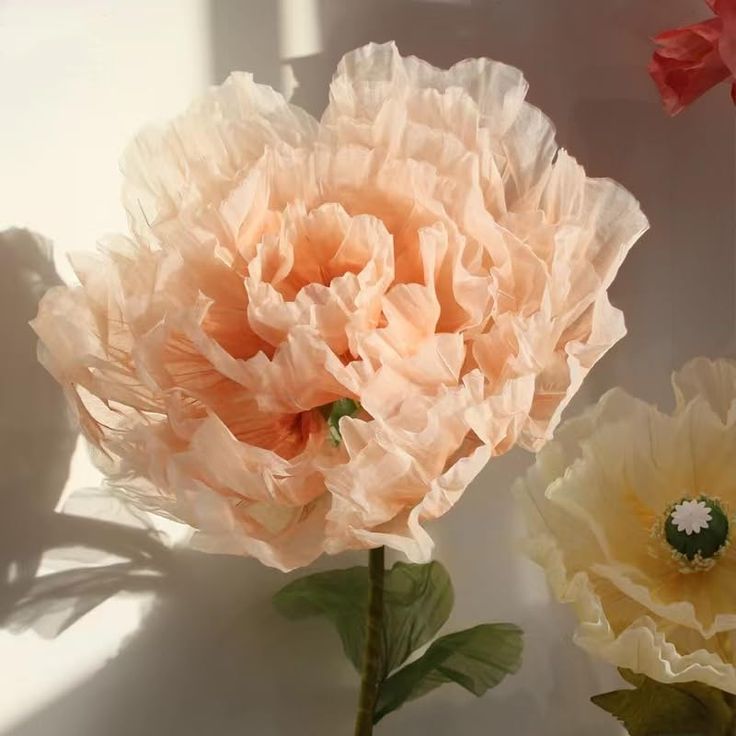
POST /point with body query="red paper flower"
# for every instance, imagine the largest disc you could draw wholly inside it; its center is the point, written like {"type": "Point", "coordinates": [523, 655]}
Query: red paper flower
{"type": "Point", "coordinates": [692, 59]}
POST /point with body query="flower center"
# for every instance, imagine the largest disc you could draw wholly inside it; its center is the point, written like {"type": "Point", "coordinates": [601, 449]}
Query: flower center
{"type": "Point", "coordinates": [334, 412]}
{"type": "Point", "coordinates": [697, 529]}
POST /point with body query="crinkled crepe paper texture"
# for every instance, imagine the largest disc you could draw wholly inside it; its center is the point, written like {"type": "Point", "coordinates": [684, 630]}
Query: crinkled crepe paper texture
{"type": "Point", "coordinates": [425, 250]}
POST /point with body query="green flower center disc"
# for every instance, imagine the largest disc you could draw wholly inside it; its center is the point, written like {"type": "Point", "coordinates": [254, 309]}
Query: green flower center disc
{"type": "Point", "coordinates": [696, 527]}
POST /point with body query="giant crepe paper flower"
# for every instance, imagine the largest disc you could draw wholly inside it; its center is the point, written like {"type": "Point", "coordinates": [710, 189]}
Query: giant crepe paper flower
{"type": "Point", "coordinates": [691, 60]}
{"type": "Point", "coordinates": [321, 331]}
{"type": "Point", "coordinates": [632, 515]}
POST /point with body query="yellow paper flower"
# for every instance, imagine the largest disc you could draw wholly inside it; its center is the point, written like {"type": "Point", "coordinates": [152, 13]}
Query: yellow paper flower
{"type": "Point", "coordinates": [321, 331]}
{"type": "Point", "coordinates": [632, 515]}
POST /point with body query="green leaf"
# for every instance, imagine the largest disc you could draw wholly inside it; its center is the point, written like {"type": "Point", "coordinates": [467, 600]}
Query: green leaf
{"type": "Point", "coordinates": [678, 709]}
{"type": "Point", "coordinates": [417, 601]}
{"type": "Point", "coordinates": [476, 659]}
{"type": "Point", "coordinates": [339, 595]}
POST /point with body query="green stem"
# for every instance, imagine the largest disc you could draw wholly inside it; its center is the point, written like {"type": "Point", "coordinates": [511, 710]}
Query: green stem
{"type": "Point", "coordinates": [372, 658]}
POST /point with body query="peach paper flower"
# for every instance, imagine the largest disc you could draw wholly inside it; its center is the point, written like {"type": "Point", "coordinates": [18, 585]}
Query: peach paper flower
{"type": "Point", "coordinates": [632, 514]}
{"type": "Point", "coordinates": [319, 332]}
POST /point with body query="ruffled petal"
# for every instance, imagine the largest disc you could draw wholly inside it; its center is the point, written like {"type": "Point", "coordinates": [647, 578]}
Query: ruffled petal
{"type": "Point", "coordinates": [191, 165]}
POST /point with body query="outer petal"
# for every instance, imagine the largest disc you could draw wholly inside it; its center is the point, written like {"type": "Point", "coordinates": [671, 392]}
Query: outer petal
{"type": "Point", "coordinates": [712, 380]}
{"type": "Point", "coordinates": [193, 163]}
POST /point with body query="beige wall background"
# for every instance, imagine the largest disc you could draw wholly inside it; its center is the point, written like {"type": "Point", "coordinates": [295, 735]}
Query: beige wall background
{"type": "Point", "coordinates": [199, 650]}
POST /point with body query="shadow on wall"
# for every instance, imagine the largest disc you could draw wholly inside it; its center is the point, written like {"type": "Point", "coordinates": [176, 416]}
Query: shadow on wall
{"type": "Point", "coordinates": [37, 439]}
{"type": "Point", "coordinates": [213, 657]}
{"type": "Point", "coordinates": [36, 435]}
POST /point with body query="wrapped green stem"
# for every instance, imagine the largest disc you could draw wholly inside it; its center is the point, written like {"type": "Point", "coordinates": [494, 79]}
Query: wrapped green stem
{"type": "Point", "coordinates": [371, 675]}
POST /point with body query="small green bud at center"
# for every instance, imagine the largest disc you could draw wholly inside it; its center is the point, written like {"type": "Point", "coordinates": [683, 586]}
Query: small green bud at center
{"type": "Point", "coordinates": [334, 412]}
